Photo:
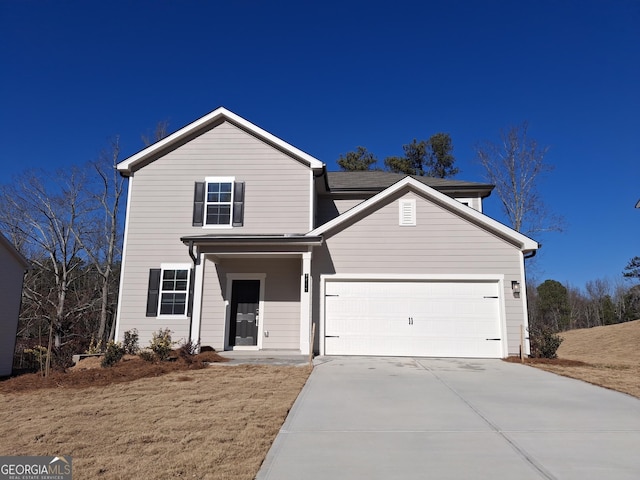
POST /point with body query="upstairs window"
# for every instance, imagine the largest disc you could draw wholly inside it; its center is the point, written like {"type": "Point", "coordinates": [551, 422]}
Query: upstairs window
{"type": "Point", "coordinates": [218, 202]}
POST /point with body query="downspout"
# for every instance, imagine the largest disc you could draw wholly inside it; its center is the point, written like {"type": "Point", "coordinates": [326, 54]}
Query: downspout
{"type": "Point", "coordinates": [196, 261]}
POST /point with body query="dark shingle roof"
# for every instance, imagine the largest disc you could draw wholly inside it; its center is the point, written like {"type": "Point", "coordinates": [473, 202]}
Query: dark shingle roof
{"type": "Point", "coordinates": [375, 180]}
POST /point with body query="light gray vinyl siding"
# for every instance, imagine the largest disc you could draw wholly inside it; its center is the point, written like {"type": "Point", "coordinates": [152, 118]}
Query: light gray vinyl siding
{"type": "Point", "coordinates": [281, 314]}
{"type": "Point", "coordinates": [329, 208]}
{"type": "Point", "coordinates": [277, 196]}
{"type": "Point", "coordinates": [10, 295]}
{"type": "Point", "coordinates": [440, 243]}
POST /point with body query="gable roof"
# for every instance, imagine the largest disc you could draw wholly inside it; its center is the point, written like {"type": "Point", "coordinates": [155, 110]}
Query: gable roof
{"type": "Point", "coordinates": [219, 115]}
{"type": "Point", "coordinates": [4, 241]}
{"type": "Point", "coordinates": [523, 242]}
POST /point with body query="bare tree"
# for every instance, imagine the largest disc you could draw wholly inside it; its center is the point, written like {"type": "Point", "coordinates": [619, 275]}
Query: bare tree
{"type": "Point", "coordinates": [43, 217]}
{"type": "Point", "coordinates": [161, 131]}
{"type": "Point", "coordinates": [102, 242]}
{"type": "Point", "coordinates": [514, 166]}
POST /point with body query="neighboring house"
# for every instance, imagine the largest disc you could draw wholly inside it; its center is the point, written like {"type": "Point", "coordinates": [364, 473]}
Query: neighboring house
{"type": "Point", "coordinates": [239, 240]}
{"type": "Point", "coordinates": [13, 267]}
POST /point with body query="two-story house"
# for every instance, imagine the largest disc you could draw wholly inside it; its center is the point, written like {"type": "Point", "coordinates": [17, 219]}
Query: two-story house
{"type": "Point", "coordinates": [239, 240]}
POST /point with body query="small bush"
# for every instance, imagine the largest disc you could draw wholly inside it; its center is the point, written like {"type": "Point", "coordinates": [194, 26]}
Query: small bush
{"type": "Point", "coordinates": [161, 344]}
{"type": "Point", "coordinates": [147, 355]}
{"type": "Point", "coordinates": [187, 350]}
{"type": "Point", "coordinates": [130, 343]}
{"type": "Point", "coordinates": [544, 342]}
{"type": "Point", "coordinates": [94, 347]}
{"type": "Point", "coordinates": [112, 354]}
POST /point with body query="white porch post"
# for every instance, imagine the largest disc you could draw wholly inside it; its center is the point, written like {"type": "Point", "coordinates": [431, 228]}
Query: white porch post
{"type": "Point", "coordinates": [197, 301]}
{"type": "Point", "coordinates": [305, 305]}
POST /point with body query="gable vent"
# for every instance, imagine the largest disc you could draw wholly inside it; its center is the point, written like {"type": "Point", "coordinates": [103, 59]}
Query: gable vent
{"type": "Point", "coordinates": [407, 212]}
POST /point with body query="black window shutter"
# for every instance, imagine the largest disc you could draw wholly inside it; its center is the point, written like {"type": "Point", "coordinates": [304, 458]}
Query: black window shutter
{"type": "Point", "coordinates": [190, 300]}
{"type": "Point", "coordinates": [198, 204]}
{"type": "Point", "coordinates": [153, 292]}
{"type": "Point", "coordinates": [238, 204]}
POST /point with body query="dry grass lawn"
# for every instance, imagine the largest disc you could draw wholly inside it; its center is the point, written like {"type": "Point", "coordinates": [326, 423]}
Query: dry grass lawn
{"type": "Point", "coordinates": [611, 354]}
{"type": "Point", "coordinates": [212, 423]}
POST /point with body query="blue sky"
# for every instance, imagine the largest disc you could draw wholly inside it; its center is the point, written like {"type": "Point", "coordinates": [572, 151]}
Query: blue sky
{"type": "Point", "coordinates": [329, 76]}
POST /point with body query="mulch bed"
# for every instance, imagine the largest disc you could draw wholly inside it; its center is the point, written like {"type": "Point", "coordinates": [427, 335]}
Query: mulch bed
{"type": "Point", "coordinates": [91, 374]}
{"type": "Point", "coordinates": [562, 362]}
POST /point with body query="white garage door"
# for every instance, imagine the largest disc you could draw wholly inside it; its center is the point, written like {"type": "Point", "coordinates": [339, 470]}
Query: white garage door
{"type": "Point", "coordinates": [427, 318]}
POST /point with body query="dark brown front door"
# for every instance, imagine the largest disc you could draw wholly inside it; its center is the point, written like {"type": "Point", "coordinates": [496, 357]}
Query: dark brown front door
{"type": "Point", "coordinates": [245, 298]}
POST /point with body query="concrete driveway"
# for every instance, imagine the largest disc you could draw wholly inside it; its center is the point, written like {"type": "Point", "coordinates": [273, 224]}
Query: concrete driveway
{"type": "Point", "coordinates": [416, 418]}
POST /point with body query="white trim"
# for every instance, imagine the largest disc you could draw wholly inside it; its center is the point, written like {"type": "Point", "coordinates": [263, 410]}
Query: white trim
{"type": "Point", "coordinates": [207, 181]}
{"type": "Point", "coordinates": [525, 243]}
{"type": "Point", "coordinates": [305, 304]}
{"type": "Point", "coordinates": [472, 202]}
{"type": "Point", "coordinates": [491, 277]}
{"type": "Point", "coordinates": [219, 114]}
{"type": "Point", "coordinates": [174, 266]}
{"type": "Point", "coordinates": [312, 202]}
{"type": "Point", "coordinates": [124, 259]}
{"type": "Point", "coordinates": [525, 309]}
{"type": "Point", "coordinates": [412, 276]}
{"type": "Point", "coordinates": [196, 310]}
{"type": "Point", "coordinates": [227, 301]}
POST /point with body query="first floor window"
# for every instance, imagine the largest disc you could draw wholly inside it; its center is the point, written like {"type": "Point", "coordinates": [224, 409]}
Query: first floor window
{"type": "Point", "coordinates": [170, 290]}
{"type": "Point", "coordinates": [173, 296]}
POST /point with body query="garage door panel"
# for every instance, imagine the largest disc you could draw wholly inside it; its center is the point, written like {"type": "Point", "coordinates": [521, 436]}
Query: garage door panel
{"type": "Point", "coordinates": [425, 318]}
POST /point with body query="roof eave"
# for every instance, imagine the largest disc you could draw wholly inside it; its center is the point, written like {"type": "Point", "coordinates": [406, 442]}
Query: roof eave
{"type": "Point", "coordinates": [226, 240]}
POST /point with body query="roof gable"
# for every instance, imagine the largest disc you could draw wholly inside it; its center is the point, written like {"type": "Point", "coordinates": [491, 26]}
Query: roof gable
{"type": "Point", "coordinates": [219, 115]}
{"type": "Point", "coordinates": [411, 184]}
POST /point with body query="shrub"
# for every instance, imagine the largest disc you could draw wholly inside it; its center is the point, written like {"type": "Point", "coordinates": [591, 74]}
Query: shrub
{"type": "Point", "coordinates": [112, 354]}
{"type": "Point", "coordinates": [544, 342]}
{"type": "Point", "coordinates": [147, 355]}
{"type": "Point", "coordinates": [187, 350]}
{"type": "Point", "coordinates": [161, 344]}
{"type": "Point", "coordinates": [94, 347]}
{"type": "Point", "coordinates": [130, 343]}
{"type": "Point", "coordinates": [39, 354]}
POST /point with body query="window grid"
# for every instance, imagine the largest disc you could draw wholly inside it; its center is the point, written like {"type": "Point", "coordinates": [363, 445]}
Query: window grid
{"type": "Point", "coordinates": [219, 202]}
{"type": "Point", "coordinates": [173, 297]}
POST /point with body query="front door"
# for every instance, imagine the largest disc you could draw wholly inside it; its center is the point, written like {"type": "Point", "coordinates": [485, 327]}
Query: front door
{"type": "Point", "coordinates": [245, 298]}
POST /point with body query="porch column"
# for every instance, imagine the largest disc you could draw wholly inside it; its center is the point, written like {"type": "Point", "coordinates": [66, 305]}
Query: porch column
{"type": "Point", "coordinates": [305, 304]}
{"type": "Point", "coordinates": [196, 310]}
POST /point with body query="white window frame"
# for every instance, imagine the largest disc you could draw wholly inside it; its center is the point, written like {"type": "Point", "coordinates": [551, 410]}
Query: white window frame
{"type": "Point", "coordinates": [207, 181]}
{"type": "Point", "coordinates": [471, 202]}
{"type": "Point", "coordinates": [173, 266]}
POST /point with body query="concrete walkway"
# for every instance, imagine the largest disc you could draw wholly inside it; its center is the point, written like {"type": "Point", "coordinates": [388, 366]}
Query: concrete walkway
{"type": "Point", "coordinates": [402, 418]}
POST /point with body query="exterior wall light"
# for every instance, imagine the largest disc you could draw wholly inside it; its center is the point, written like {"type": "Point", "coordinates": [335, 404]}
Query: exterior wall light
{"type": "Point", "coordinates": [515, 288]}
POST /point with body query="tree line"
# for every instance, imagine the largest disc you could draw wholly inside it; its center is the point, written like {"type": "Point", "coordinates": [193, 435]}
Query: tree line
{"type": "Point", "coordinates": [557, 307]}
